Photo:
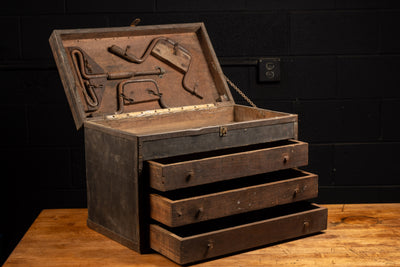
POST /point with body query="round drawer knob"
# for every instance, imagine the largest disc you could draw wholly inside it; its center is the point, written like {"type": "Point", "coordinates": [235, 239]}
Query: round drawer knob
{"type": "Point", "coordinates": [296, 192]}
{"type": "Point", "coordinates": [285, 159]}
{"type": "Point", "coordinates": [189, 176]}
{"type": "Point", "coordinates": [198, 212]}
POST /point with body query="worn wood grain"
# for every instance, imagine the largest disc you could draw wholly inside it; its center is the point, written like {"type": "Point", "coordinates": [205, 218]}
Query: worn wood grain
{"type": "Point", "coordinates": [112, 181]}
{"type": "Point", "coordinates": [234, 201]}
{"type": "Point", "coordinates": [175, 120]}
{"type": "Point", "coordinates": [357, 235]}
{"type": "Point", "coordinates": [180, 174]}
{"type": "Point", "coordinates": [171, 122]}
{"type": "Point", "coordinates": [189, 248]}
{"type": "Point", "coordinates": [195, 141]}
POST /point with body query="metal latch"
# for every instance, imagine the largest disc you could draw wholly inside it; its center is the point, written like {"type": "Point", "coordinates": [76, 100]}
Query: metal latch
{"type": "Point", "coordinates": [223, 131]}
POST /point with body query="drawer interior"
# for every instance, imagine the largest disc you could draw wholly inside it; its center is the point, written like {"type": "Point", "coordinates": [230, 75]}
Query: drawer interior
{"type": "Point", "coordinates": [209, 239]}
{"type": "Point", "coordinates": [150, 123]}
{"type": "Point", "coordinates": [223, 152]}
{"type": "Point", "coordinates": [241, 219]}
{"type": "Point", "coordinates": [172, 173]}
{"type": "Point", "coordinates": [238, 183]}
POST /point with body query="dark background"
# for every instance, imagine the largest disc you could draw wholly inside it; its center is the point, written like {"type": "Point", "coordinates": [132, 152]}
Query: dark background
{"type": "Point", "coordinates": [339, 72]}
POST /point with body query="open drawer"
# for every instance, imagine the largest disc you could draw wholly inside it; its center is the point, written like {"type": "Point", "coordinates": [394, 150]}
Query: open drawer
{"type": "Point", "coordinates": [192, 205]}
{"type": "Point", "coordinates": [236, 233]}
{"type": "Point", "coordinates": [208, 167]}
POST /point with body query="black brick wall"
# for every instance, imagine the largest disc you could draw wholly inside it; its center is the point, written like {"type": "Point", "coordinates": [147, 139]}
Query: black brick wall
{"type": "Point", "coordinates": [339, 71]}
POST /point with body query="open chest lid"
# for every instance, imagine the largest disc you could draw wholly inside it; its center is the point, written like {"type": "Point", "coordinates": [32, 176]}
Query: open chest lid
{"type": "Point", "coordinates": [111, 72]}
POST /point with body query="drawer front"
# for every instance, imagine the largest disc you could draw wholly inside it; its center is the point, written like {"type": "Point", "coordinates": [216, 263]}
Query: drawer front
{"type": "Point", "coordinates": [185, 247]}
{"type": "Point", "coordinates": [199, 140]}
{"type": "Point", "coordinates": [170, 175]}
{"type": "Point", "coordinates": [295, 185]}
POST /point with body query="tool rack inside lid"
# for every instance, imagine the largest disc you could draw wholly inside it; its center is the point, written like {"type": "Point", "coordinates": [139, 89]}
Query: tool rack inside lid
{"type": "Point", "coordinates": [135, 69]}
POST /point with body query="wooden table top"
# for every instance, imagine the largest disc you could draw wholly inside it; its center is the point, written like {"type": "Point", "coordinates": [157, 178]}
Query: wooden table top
{"type": "Point", "coordinates": [357, 235]}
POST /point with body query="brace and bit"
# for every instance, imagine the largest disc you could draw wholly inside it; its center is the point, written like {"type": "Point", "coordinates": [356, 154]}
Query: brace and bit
{"type": "Point", "coordinates": [128, 74]}
{"type": "Point", "coordinates": [80, 63]}
{"type": "Point", "coordinates": [180, 58]}
{"type": "Point", "coordinates": [123, 53]}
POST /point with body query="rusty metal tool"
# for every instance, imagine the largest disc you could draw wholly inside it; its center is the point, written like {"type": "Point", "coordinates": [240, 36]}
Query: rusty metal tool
{"type": "Point", "coordinates": [128, 74]}
{"type": "Point", "coordinates": [123, 99]}
{"type": "Point", "coordinates": [166, 50]}
{"type": "Point", "coordinates": [92, 77]}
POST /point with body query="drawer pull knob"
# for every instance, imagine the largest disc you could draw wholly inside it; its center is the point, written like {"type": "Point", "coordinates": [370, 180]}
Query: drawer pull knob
{"type": "Point", "coordinates": [306, 224]}
{"type": "Point", "coordinates": [199, 211]}
{"type": "Point", "coordinates": [189, 176]}
{"type": "Point", "coordinates": [210, 245]}
{"type": "Point", "coordinates": [296, 192]}
{"type": "Point", "coordinates": [285, 159]}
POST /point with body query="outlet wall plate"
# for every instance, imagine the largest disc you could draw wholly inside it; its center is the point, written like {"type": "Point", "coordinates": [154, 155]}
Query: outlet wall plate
{"type": "Point", "coordinates": [269, 70]}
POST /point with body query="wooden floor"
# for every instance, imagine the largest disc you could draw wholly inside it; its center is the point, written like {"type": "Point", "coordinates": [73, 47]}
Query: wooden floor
{"type": "Point", "coordinates": [357, 235]}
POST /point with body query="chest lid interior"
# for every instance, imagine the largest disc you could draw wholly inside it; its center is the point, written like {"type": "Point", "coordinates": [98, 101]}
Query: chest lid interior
{"type": "Point", "coordinates": [126, 70]}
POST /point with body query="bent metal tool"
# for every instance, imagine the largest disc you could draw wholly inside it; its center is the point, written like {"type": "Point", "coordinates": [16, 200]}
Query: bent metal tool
{"type": "Point", "coordinates": [166, 50]}
{"type": "Point", "coordinates": [92, 77]}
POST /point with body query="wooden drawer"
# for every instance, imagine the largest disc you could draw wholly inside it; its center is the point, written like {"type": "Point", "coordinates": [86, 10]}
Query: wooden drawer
{"type": "Point", "coordinates": [233, 234]}
{"type": "Point", "coordinates": [192, 205]}
{"type": "Point", "coordinates": [202, 168]}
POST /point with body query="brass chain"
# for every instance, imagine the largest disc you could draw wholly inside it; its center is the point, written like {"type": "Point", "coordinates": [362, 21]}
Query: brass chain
{"type": "Point", "coordinates": [239, 91]}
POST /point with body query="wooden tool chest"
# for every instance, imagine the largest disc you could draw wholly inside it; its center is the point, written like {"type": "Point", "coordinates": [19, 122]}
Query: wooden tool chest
{"type": "Point", "coordinates": [172, 163]}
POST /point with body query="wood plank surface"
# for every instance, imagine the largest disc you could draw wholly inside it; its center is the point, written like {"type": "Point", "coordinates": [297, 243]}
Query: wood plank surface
{"type": "Point", "coordinates": [243, 136]}
{"type": "Point", "coordinates": [357, 235]}
{"type": "Point", "coordinates": [190, 247]}
{"type": "Point", "coordinates": [202, 207]}
{"type": "Point", "coordinates": [250, 161]}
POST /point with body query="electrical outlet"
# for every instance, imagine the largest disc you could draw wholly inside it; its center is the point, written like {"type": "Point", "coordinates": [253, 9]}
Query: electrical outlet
{"type": "Point", "coordinates": [269, 70]}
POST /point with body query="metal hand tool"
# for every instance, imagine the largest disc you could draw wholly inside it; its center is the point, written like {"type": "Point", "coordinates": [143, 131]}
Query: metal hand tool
{"type": "Point", "coordinates": [166, 50]}
{"type": "Point", "coordinates": [92, 77]}
{"type": "Point", "coordinates": [123, 99]}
